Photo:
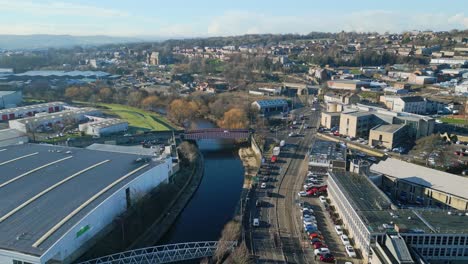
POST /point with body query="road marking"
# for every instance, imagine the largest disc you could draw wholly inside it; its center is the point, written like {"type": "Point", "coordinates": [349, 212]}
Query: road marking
{"type": "Point", "coordinates": [37, 196]}
{"type": "Point", "coordinates": [18, 158]}
{"type": "Point", "coordinates": [2, 150]}
{"type": "Point", "coordinates": [32, 171]}
{"type": "Point", "coordinates": [77, 210]}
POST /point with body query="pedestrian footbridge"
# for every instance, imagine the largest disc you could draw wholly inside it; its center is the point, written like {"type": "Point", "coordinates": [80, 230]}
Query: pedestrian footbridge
{"type": "Point", "coordinates": [165, 253]}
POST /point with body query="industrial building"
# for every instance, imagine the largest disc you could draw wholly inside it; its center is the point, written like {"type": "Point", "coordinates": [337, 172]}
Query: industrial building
{"type": "Point", "coordinates": [56, 200]}
{"type": "Point", "coordinates": [40, 121]}
{"type": "Point", "coordinates": [267, 107]}
{"type": "Point", "coordinates": [414, 184]}
{"type": "Point", "coordinates": [104, 126]}
{"type": "Point", "coordinates": [31, 110]}
{"type": "Point", "coordinates": [349, 85]}
{"type": "Point", "coordinates": [10, 99]}
{"type": "Point", "coordinates": [356, 124]}
{"type": "Point", "coordinates": [371, 219]}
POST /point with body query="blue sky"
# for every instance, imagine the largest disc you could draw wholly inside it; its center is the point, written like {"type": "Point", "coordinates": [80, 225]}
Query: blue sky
{"type": "Point", "coordinates": [187, 18]}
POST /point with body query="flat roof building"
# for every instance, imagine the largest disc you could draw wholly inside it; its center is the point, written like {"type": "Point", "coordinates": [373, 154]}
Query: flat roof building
{"type": "Point", "coordinates": [325, 155]}
{"type": "Point", "coordinates": [55, 200]}
{"type": "Point", "coordinates": [388, 136]}
{"type": "Point", "coordinates": [11, 137]}
{"type": "Point", "coordinates": [105, 126]}
{"type": "Point", "coordinates": [33, 123]}
{"type": "Point", "coordinates": [415, 184]}
{"type": "Point", "coordinates": [31, 110]}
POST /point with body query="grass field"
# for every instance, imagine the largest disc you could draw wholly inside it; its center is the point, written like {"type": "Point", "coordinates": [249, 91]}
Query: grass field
{"type": "Point", "coordinates": [139, 120]}
{"type": "Point", "coordinates": [458, 121]}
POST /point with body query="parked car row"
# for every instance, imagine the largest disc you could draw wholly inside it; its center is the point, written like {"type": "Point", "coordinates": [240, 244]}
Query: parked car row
{"type": "Point", "coordinates": [314, 235]}
{"type": "Point", "coordinates": [313, 185]}
{"type": "Point", "coordinates": [345, 240]}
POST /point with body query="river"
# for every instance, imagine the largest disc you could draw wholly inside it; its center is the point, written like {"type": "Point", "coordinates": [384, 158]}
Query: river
{"type": "Point", "coordinates": [214, 203]}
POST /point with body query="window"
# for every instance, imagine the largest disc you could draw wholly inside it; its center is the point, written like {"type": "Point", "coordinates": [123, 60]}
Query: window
{"type": "Point", "coordinates": [436, 252]}
{"type": "Point", "coordinates": [444, 241]}
{"type": "Point", "coordinates": [432, 240]}
{"type": "Point", "coordinates": [438, 240]}
{"type": "Point", "coordinates": [20, 262]}
{"type": "Point", "coordinates": [347, 121]}
{"type": "Point", "coordinates": [455, 241]}
{"type": "Point", "coordinates": [462, 241]}
{"type": "Point", "coordinates": [442, 252]}
{"type": "Point", "coordinates": [454, 252]}
{"type": "Point", "coordinates": [450, 240]}
{"type": "Point", "coordinates": [430, 252]}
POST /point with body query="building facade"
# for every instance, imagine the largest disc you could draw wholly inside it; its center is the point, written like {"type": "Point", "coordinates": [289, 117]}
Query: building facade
{"type": "Point", "coordinates": [10, 99]}
{"type": "Point", "coordinates": [330, 120]}
{"type": "Point", "coordinates": [388, 136]}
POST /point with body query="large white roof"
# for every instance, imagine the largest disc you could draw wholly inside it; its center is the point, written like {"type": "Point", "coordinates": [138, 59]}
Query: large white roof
{"type": "Point", "coordinates": [434, 179]}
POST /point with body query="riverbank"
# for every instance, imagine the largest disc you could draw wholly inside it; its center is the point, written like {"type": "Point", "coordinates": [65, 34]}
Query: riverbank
{"type": "Point", "coordinates": [161, 225]}
{"type": "Point", "coordinates": [251, 162]}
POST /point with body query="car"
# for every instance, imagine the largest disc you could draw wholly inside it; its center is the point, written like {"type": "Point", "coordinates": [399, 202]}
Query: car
{"type": "Point", "coordinates": [318, 245]}
{"type": "Point", "coordinates": [314, 109]}
{"type": "Point", "coordinates": [314, 235]}
{"type": "Point", "coordinates": [315, 240]}
{"type": "Point", "coordinates": [321, 251]}
{"type": "Point", "coordinates": [350, 251]}
{"type": "Point", "coordinates": [263, 185]}
{"type": "Point", "coordinates": [323, 199]}
{"type": "Point", "coordinates": [373, 159]}
{"type": "Point", "coordinates": [309, 222]}
{"type": "Point", "coordinates": [338, 230]}
{"type": "Point", "coordinates": [302, 194]}
{"type": "Point", "coordinates": [307, 212]}
{"type": "Point", "coordinates": [256, 222]}
{"type": "Point", "coordinates": [327, 258]}
{"type": "Point", "coordinates": [345, 240]}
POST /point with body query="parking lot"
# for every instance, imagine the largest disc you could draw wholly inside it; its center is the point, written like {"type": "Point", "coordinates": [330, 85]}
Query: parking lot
{"type": "Point", "coordinates": [324, 221]}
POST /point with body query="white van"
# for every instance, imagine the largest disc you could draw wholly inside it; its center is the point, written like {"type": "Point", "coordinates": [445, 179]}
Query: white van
{"type": "Point", "coordinates": [256, 222]}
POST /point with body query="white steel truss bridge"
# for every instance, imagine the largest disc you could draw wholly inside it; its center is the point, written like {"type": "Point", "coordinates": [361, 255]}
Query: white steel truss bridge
{"type": "Point", "coordinates": [165, 253]}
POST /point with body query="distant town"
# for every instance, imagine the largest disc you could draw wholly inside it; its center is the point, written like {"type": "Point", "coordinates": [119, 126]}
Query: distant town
{"type": "Point", "coordinates": [332, 147]}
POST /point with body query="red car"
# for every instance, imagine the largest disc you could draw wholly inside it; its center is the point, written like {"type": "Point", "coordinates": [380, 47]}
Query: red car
{"type": "Point", "coordinates": [327, 258]}
{"type": "Point", "coordinates": [317, 245]}
{"type": "Point", "coordinates": [336, 133]}
{"type": "Point", "coordinates": [273, 159]}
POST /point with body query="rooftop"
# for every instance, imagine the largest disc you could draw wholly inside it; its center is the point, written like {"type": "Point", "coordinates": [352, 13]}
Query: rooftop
{"type": "Point", "coordinates": [135, 150]}
{"type": "Point", "coordinates": [388, 128]}
{"type": "Point", "coordinates": [44, 184]}
{"type": "Point", "coordinates": [30, 107]}
{"type": "Point", "coordinates": [86, 74]}
{"type": "Point", "coordinates": [4, 93]}
{"type": "Point", "coordinates": [434, 179]}
{"type": "Point", "coordinates": [375, 209]}
{"type": "Point", "coordinates": [272, 103]}
{"type": "Point", "coordinates": [358, 113]}
{"type": "Point", "coordinates": [49, 116]}
{"type": "Point", "coordinates": [327, 150]}
{"type": "Point", "coordinates": [412, 99]}
{"type": "Point", "coordinates": [106, 122]}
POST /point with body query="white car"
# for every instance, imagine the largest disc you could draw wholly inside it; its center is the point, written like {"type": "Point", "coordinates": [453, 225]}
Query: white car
{"type": "Point", "coordinates": [314, 109]}
{"type": "Point", "coordinates": [256, 222]}
{"type": "Point", "coordinates": [338, 230]}
{"type": "Point", "coordinates": [307, 210]}
{"type": "Point", "coordinates": [302, 194]}
{"type": "Point", "coordinates": [321, 251]}
{"type": "Point", "coordinates": [309, 223]}
{"type": "Point", "coordinates": [350, 251]}
{"type": "Point", "coordinates": [263, 185]}
{"type": "Point", "coordinates": [345, 240]}
{"type": "Point", "coordinates": [323, 199]}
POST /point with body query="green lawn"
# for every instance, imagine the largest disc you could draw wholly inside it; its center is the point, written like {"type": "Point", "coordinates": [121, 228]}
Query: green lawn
{"type": "Point", "coordinates": [139, 120]}
{"type": "Point", "coordinates": [453, 120]}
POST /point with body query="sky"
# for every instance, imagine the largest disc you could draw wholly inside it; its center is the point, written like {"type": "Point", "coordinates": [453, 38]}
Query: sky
{"type": "Point", "coordinates": [200, 18]}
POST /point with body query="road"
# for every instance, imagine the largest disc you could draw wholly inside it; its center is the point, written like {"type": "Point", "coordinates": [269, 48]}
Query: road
{"type": "Point", "coordinates": [278, 239]}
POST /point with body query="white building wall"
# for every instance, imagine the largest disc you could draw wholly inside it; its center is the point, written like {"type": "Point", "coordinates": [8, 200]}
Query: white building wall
{"type": "Point", "coordinates": [7, 257]}
{"type": "Point", "coordinates": [17, 125]}
{"type": "Point", "coordinates": [105, 213]}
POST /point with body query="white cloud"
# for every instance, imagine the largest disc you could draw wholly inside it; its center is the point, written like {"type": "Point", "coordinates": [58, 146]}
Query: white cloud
{"type": "Point", "coordinates": [58, 8]}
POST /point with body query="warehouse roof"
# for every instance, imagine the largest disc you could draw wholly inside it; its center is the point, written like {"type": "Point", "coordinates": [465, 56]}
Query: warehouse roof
{"type": "Point", "coordinates": [434, 179]}
{"type": "Point", "coordinates": [31, 107]}
{"type": "Point", "coordinates": [271, 103]}
{"type": "Point", "coordinates": [31, 206]}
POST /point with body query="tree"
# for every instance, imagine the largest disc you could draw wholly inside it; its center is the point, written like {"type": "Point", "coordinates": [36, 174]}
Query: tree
{"type": "Point", "coordinates": [78, 93]}
{"type": "Point", "coordinates": [234, 118]}
{"type": "Point", "coordinates": [134, 98]}
{"type": "Point", "coordinates": [150, 102]}
{"type": "Point", "coordinates": [105, 94]}
{"type": "Point", "coordinates": [180, 110]}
